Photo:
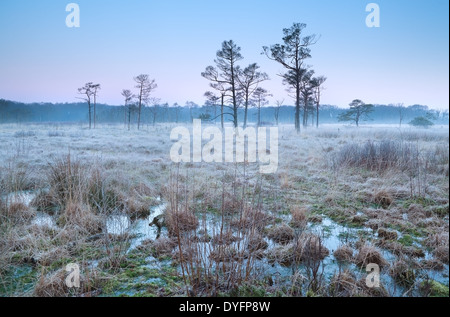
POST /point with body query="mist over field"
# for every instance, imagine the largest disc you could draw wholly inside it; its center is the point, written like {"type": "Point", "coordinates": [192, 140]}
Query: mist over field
{"type": "Point", "coordinates": [247, 165]}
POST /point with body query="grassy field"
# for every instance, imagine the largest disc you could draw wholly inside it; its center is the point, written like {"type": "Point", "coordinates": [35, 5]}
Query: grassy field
{"type": "Point", "coordinates": [342, 198]}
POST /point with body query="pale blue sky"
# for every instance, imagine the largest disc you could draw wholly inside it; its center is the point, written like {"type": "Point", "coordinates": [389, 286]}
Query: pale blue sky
{"type": "Point", "coordinates": [405, 60]}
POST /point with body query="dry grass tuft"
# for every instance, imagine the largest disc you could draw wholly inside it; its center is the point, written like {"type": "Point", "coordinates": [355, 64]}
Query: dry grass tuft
{"type": "Point", "coordinates": [344, 253]}
{"type": "Point", "coordinates": [256, 243]}
{"type": "Point", "coordinates": [437, 239]}
{"type": "Point", "coordinates": [432, 264]}
{"type": "Point", "coordinates": [387, 234]}
{"type": "Point", "coordinates": [76, 214]}
{"type": "Point", "coordinates": [18, 212]}
{"type": "Point", "coordinates": [136, 208]}
{"type": "Point", "coordinates": [179, 221]}
{"type": "Point", "coordinates": [368, 254]}
{"type": "Point", "coordinates": [442, 253]}
{"type": "Point", "coordinates": [372, 291]}
{"type": "Point", "coordinates": [224, 254]}
{"type": "Point", "coordinates": [163, 246]}
{"type": "Point", "coordinates": [282, 234]}
{"type": "Point", "coordinates": [383, 198]}
{"type": "Point", "coordinates": [311, 248]}
{"type": "Point", "coordinates": [224, 238]}
{"type": "Point", "coordinates": [343, 284]}
{"type": "Point", "coordinates": [282, 254]}
{"type": "Point", "coordinates": [44, 202]}
{"type": "Point", "coordinates": [53, 255]}
{"type": "Point", "coordinates": [402, 273]}
{"type": "Point", "coordinates": [299, 217]}
{"type": "Point", "coordinates": [252, 219]}
{"type": "Point", "coordinates": [416, 211]}
{"type": "Point", "coordinates": [53, 285]}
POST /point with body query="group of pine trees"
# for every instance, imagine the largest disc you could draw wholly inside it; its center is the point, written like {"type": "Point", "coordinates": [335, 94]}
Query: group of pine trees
{"type": "Point", "coordinates": [236, 88]}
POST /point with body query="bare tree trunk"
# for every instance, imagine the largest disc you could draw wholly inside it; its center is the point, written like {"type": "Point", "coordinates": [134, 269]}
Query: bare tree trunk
{"type": "Point", "coordinates": [129, 119]}
{"type": "Point", "coordinates": [259, 114]}
{"type": "Point", "coordinates": [140, 107]}
{"type": "Point", "coordinates": [221, 112]}
{"type": "Point", "coordinates": [245, 115]}
{"type": "Point", "coordinates": [90, 116]}
{"type": "Point", "coordinates": [317, 114]}
{"type": "Point", "coordinates": [95, 108]}
{"type": "Point", "coordinates": [297, 110]}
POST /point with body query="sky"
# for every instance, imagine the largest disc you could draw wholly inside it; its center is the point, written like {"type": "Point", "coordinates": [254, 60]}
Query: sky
{"type": "Point", "coordinates": [405, 60]}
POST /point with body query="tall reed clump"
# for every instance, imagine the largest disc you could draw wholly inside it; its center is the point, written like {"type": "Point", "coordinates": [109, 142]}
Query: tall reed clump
{"type": "Point", "coordinates": [212, 248]}
{"type": "Point", "coordinates": [408, 158]}
{"type": "Point", "coordinates": [84, 196]}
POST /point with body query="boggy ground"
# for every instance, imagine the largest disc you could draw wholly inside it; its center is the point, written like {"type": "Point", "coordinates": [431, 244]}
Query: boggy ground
{"type": "Point", "coordinates": [342, 198]}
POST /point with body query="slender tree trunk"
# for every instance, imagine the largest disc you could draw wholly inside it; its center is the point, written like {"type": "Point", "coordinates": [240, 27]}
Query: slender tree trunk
{"type": "Point", "coordinates": [95, 108]}
{"type": "Point", "coordinates": [125, 115]}
{"type": "Point", "coordinates": [221, 112]}
{"type": "Point", "coordinates": [259, 114]}
{"type": "Point", "coordinates": [233, 88]}
{"type": "Point", "coordinates": [305, 112]}
{"type": "Point", "coordinates": [297, 90]}
{"type": "Point", "coordinates": [245, 115]}
{"type": "Point", "coordinates": [297, 110]}
{"type": "Point", "coordinates": [140, 106]}
{"type": "Point", "coordinates": [317, 114]}
{"type": "Point", "coordinates": [90, 116]}
{"type": "Point", "coordinates": [129, 119]}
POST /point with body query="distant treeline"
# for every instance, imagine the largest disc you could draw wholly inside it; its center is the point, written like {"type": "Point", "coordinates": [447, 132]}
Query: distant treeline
{"type": "Point", "coordinates": [16, 112]}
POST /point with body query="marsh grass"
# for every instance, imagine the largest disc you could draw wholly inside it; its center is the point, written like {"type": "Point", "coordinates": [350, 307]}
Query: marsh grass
{"type": "Point", "coordinates": [225, 223]}
{"type": "Point", "coordinates": [225, 261]}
